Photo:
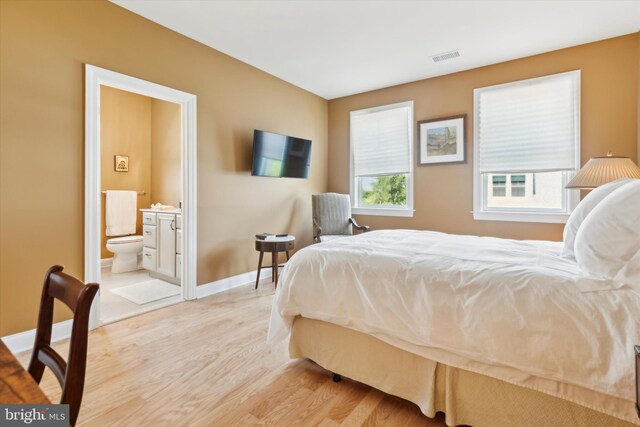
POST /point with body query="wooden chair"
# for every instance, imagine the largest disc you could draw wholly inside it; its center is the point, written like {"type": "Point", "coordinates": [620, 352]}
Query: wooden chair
{"type": "Point", "coordinates": [70, 374]}
{"type": "Point", "coordinates": [332, 217]}
{"type": "Point", "coordinates": [637, 349]}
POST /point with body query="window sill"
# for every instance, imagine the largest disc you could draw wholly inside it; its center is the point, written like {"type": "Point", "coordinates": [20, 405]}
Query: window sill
{"type": "Point", "coordinates": [557, 218]}
{"type": "Point", "coordinates": [382, 212]}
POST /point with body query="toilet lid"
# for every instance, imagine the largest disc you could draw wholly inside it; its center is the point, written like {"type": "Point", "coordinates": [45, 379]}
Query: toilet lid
{"type": "Point", "coordinates": [125, 239]}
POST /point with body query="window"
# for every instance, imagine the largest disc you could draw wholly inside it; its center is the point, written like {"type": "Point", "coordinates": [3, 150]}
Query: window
{"type": "Point", "coordinates": [526, 148]}
{"type": "Point", "coordinates": [518, 185]}
{"type": "Point", "coordinates": [381, 160]}
{"type": "Point", "coordinates": [499, 185]}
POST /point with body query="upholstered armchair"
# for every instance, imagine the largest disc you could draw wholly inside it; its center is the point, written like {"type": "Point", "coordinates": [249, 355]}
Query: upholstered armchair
{"type": "Point", "coordinates": [332, 217]}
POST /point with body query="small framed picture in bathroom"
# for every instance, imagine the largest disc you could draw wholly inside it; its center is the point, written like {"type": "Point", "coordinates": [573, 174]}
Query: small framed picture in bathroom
{"type": "Point", "coordinates": [121, 163]}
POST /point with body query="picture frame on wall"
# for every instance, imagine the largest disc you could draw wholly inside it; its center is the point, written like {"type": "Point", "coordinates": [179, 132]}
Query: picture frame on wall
{"type": "Point", "coordinates": [441, 140]}
{"type": "Point", "coordinates": [121, 163]}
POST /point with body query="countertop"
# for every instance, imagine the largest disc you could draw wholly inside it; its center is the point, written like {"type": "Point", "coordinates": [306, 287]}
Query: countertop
{"type": "Point", "coordinates": [167, 211]}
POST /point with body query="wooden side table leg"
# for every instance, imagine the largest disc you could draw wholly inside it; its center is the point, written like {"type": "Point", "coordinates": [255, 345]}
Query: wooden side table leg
{"type": "Point", "coordinates": [287, 255]}
{"type": "Point", "coordinates": [274, 261]}
{"type": "Point", "coordinates": [259, 268]}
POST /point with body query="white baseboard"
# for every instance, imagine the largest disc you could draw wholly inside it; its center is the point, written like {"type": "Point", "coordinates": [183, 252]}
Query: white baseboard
{"type": "Point", "coordinates": [23, 341]}
{"type": "Point", "coordinates": [106, 262]}
{"type": "Point", "coordinates": [230, 283]}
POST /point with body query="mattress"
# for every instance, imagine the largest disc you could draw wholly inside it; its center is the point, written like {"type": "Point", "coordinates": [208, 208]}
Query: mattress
{"type": "Point", "coordinates": [512, 310]}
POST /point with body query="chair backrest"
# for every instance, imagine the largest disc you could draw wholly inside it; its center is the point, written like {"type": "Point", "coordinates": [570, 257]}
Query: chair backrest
{"type": "Point", "coordinates": [70, 374]}
{"type": "Point", "coordinates": [332, 211]}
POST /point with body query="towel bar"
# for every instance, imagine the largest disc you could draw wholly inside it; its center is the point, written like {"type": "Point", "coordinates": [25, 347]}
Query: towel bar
{"type": "Point", "coordinates": [140, 193]}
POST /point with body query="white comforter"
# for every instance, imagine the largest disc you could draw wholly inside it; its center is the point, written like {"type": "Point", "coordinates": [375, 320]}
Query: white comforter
{"type": "Point", "coordinates": [503, 303]}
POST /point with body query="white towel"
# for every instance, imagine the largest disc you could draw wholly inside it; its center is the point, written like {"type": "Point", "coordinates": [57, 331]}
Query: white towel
{"type": "Point", "coordinates": [121, 212]}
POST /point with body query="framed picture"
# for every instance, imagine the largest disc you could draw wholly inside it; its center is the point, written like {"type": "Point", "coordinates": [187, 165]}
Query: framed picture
{"type": "Point", "coordinates": [121, 163]}
{"type": "Point", "coordinates": [441, 140]}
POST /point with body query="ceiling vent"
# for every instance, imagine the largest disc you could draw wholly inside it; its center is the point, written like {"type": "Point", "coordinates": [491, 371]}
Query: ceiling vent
{"type": "Point", "coordinates": [446, 55]}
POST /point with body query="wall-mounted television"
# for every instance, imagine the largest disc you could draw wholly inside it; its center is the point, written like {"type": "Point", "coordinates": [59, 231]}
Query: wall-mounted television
{"type": "Point", "coordinates": [280, 155]}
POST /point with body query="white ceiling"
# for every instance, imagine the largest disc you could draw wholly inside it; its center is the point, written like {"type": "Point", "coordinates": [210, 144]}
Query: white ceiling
{"type": "Point", "coordinates": [338, 48]}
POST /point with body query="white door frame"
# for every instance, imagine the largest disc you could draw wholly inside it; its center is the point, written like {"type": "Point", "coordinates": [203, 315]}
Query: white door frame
{"type": "Point", "coordinates": [94, 78]}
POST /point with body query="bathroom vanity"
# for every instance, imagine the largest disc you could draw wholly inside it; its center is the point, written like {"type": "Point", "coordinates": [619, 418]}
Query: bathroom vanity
{"type": "Point", "coordinates": [162, 244]}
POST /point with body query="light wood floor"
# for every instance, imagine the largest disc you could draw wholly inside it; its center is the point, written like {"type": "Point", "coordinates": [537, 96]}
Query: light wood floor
{"type": "Point", "coordinates": [206, 363]}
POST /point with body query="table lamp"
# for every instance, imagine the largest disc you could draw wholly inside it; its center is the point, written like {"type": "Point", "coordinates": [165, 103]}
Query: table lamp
{"type": "Point", "coordinates": [600, 170]}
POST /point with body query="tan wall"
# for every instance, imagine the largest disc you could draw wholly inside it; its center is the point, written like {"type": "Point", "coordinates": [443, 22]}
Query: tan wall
{"type": "Point", "coordinates": [125, 129]}
{"type": "Point", "coordinates": [43, 49]}
{"type": "Point", "coordinates": [166, 181]}
{"type": "Point", "coordinates": [443, 194]}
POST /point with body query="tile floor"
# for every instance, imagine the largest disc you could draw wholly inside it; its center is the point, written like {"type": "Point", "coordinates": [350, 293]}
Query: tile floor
{"type": "Point", "coordinates": [113, 307]}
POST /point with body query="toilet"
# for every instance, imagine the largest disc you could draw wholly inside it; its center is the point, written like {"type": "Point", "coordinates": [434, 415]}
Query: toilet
{"type": "Point", "coordinates": [126, 252]}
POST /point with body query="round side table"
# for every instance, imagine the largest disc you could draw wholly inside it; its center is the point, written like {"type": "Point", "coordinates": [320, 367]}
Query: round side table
{"type": "Point", "coordinates": [274, 245]}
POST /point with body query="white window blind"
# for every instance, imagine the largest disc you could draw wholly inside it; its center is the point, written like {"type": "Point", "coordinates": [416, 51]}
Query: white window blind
{"type": "Point", "coordinates": [381, 141]}
{"type": "Point", "coordinates": [530, 125]}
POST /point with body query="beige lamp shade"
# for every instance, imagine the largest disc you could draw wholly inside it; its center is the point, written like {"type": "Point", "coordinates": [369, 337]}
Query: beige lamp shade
{"type": "Point", "coordinates": [600, 170]}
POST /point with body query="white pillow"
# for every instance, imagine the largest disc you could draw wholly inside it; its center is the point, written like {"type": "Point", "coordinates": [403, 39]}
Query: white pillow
{"type": "Point", "coordinates": [581, 211]}
{"type": "Point", "coordinates": [608, 242]}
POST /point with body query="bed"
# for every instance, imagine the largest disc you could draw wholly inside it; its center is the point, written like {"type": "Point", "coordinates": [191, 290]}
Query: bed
{"type": "Point", "coordinates": [489, 331]}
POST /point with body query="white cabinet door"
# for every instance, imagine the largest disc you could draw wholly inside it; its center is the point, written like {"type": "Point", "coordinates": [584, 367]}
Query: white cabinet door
{"type": "Point", "coordinates": [148, 218]}
{"type": "Point", "coordinates": [149, 257]}
{"type": "Point", "coordinates": [179, 266]}
{"type": "Point", "coordinates": [166, 244]}
{"type": "Point", "coordinates": [149, 237]}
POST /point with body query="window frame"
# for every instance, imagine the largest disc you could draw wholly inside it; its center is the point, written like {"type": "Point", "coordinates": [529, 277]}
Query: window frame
{"type": "Point", "coordinates": [570, 197]}
{"type": "Point", "coordinates": [406, 211]}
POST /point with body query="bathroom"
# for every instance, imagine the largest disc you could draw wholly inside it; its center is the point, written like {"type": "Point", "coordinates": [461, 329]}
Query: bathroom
{"type": "Point", "coordinates": [140, 166]}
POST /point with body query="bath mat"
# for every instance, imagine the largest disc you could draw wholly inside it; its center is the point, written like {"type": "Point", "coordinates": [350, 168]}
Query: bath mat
{"type": "Point", "coordinates": [146, 292]}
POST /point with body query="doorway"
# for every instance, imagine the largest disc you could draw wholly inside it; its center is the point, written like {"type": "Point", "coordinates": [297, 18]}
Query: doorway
{"type": "Point", "coordinates": [165, 262]}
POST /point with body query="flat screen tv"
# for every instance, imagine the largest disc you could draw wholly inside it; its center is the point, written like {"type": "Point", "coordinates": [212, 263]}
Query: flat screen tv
{"type": "Point", "coordinates": [280, 155]}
